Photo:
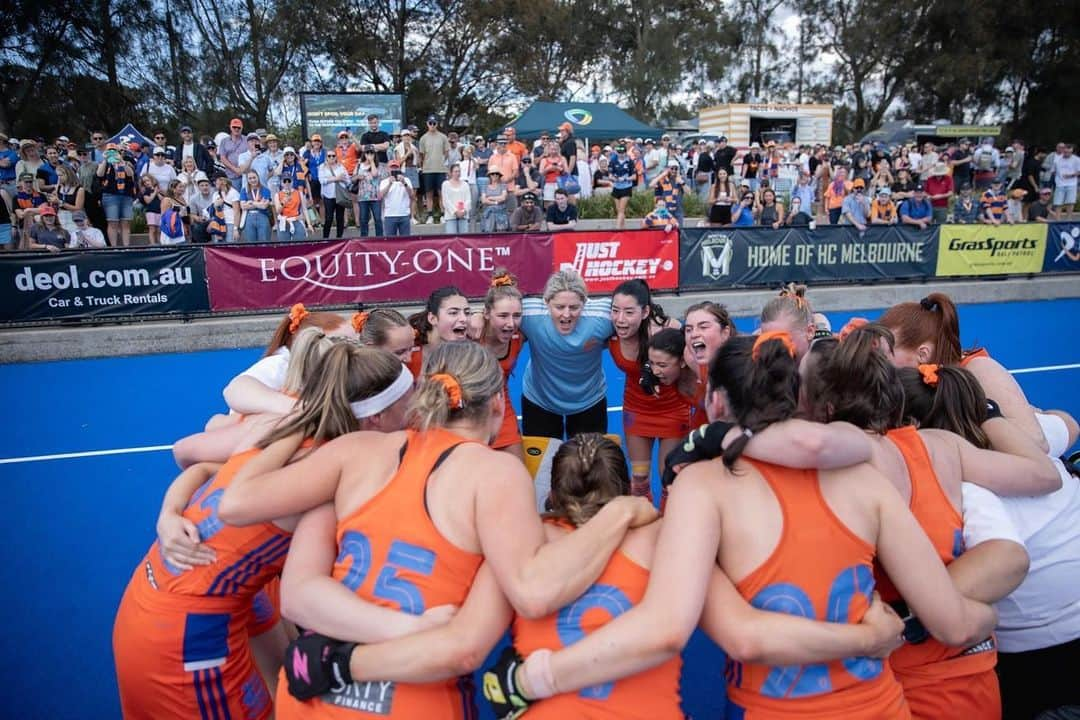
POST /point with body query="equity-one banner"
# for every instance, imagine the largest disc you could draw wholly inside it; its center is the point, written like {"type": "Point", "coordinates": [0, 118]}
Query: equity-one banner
{"type": "Point", "coordinates": [991, 249]}
{"type": "Point", "coordinates": [605, 258]}
{"type": "Point", "coordinates": [1062, 248]}
{"type": "Point", "coordinates": [250, 277]}
{"type": "Point", "coordinates": [747, 257]}
{"type": "Point", "coordinates": [102, 283]}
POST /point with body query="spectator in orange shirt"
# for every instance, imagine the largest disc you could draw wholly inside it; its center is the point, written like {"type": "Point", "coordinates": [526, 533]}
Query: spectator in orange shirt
{"type": "Point", "coordinates": [514, 145]}
{"type": "Point", "coordinates": [507, 164]}
{"type": "Point", "coordinates": [883, 209]}
{"type": "Point", "coordinates": [347, 153]}
{"type": "Point", "coordinates": [835, 192]}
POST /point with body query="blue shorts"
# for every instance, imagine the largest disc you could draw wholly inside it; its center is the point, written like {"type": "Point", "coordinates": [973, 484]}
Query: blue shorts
{"type": "Point", "coordinates": [5, 234]}
{"type": "Point", "coordinates": [118, 208]}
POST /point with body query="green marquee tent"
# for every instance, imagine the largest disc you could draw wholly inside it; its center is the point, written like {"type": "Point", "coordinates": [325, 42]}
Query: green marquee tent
{"type": "Point", "coordinates": [596, 121]}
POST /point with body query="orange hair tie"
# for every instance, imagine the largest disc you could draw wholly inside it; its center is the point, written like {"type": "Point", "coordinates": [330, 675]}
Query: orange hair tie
{"type": "Point", "coordinates": [452, 388]}
{"type": "Point", "coordinates": [929, 374]}
{"type": "Point", "coordinates": [296, 316]}
{"type": "Point", "coordinates": [852, 325]}
{"type": "Point", "coordinates": [502, 281]}
{"type": "Point", "coordinates": [359, 319]}
{"type": "Point", "coordinates": [765, 337]}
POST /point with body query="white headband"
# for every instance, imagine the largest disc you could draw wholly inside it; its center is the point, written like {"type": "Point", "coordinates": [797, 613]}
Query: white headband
{"type": "Point", "coordinates": [385, 397]}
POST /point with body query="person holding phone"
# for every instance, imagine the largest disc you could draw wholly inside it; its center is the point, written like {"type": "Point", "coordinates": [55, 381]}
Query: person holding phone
{"type": "Point", "coordinates": [396, 193]}
{"type": "Point", "coordinates": [742, 215]}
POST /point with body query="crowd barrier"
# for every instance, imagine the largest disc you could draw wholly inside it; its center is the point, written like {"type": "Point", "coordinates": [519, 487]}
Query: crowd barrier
{"type": "Point", "coordinates": [191, 281]}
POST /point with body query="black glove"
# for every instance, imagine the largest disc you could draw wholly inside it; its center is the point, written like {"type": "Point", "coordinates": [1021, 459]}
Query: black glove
{"type": "Point", "coordinates": [704, 443]}
{"type": "Point", "coordinates": [507, 701]}
{"type": "Point", "coordinates": [648, 380]}
{"type": "Point", "coordinates": [993, 410]}
{"type": "Point", "coordinates": [315, 663]}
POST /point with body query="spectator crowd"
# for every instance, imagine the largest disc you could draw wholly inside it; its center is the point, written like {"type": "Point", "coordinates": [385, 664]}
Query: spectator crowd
{"type": "Point", "coordinates": [251, 186]}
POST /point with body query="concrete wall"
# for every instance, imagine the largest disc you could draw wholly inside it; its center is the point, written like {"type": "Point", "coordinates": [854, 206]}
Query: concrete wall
{"type": "Point", "coordinates": [141, 338]}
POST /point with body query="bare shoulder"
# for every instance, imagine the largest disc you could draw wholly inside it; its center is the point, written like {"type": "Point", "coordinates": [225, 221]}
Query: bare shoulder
{"type": "Point", "coordinates": [373, 444]}
{"type": "Point", "coordinates": [863, 481]}
{"type": "Point", "coordinates": [482, 461]}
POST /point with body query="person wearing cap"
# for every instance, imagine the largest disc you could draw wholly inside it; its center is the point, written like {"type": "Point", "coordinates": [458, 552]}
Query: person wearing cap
{"type": "Point", "coordinates": [27, 203]}
{"type": "Point", "coordinates": [481, 154]}
{"type": "Point", "coordinates": [1039, 211]}
{"type": "Point", "coordinates": [751, 166]}
{"type": "Point", "coordinates": [291, 212]}
{"type": "Point", "coordinates": [293, 167]}
{"type": "Point", "coordinates": [856, 208]}
{"type": "Point", "coordinates": [660, 217]}
{"type": "Point", "coordinates": [494, 206]}
{"type": "Point", "coordinates": [188, 148]}
{"type": "Point", "coordinates": [601, 179]}
{"type": "Point", "coordinates": [652, 161]}
{"type": "Point", "coordinates": [29, 161]}
{"type": "Point", "coordinates": [506, 162]}
{"type": "Point", "coordinates": [257, 160]}
{"type": "Point", "coordinates": [275, 155]}
{"type": "Point", "coordinates": [939, 187]}
{"type": "Point", "coordinates": [377, 139]}
{"type": "Point", "coordinates": [229, 150]}
{"type": "Point", "coordinates": [85, 235]}
{"type": "Point", "coordinates": [200, 202]}
{"type": "Point", "coordinates": [348, 154]}
{"type": "Point", "coordinates": [724, 157]}
{"type": "Point", "coordinates": [917, 210]}
{"type": "Point", "coordinates": [670, 185]}
{"type": "Point", "coordinates": [396, 194]}
{"type": "Point", "coordinates": [313, 156]}
{"type": "Point", "coordinates": [883, 209]}
{"type": "Point", "coordinates": [992, 203]}
{"type": "Point", "coordinates": [434, 151]}
{"type": "Point", "coordinates": [965, 210]}
{"type": "Point", "coordinates": [47, 234]}
{"type": "Point", "coordinates": [568, 148]}
{"type": "Point", "coordinates": [528, 217]}
{"type": "Point", "coordinates": [159, 167]}
{"type": "Point", "coordinates": [623, 176]}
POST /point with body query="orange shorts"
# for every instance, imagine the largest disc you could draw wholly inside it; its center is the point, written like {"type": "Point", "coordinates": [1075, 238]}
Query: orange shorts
{"type": "Point", "coordinates": [972, 697]}
{"type": "Point", "coordinates": [651, 425]}
{"type": "Point", "coordinates": [185, 662]}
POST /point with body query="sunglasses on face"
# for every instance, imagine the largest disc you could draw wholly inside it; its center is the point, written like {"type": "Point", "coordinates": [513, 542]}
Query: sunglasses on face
{"type": "Point", "coordinates": [97, 138]}
{"type": "Point", "coordinates": [159, 137]}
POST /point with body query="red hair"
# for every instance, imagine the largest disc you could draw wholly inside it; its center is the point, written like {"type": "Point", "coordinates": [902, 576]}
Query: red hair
{"type": "Point", "coordinates": [931, 320]}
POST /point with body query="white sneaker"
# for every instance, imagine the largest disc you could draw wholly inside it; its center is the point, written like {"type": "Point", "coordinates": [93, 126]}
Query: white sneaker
{"type": "Point", "coordinates": [430, 220]}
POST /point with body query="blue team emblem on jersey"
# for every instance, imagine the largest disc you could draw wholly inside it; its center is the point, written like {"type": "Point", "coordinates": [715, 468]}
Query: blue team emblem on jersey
{"type": "Point", "coordinates": [608, 598]}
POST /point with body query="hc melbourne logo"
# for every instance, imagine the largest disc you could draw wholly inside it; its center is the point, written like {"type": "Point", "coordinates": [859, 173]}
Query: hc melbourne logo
{"type": "Point", "coordinates": [716, 252]}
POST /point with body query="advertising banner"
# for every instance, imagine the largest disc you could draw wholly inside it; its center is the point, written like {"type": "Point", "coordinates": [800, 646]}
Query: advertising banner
{"type": "Point", "coordinates": [346, 272]}
{"type": "Point", "coordinates": [1062, 248]}
{"type": "Point", "coordinates": [991, 250]}
{"type": "Point", "coordinates": [762, 257]}
{"type": "Point", "coordinates": [106, 283]}
{"type": "Point", "coordinates": [606, 258]}
{"type": "Point", "coordinates": [329, 113]}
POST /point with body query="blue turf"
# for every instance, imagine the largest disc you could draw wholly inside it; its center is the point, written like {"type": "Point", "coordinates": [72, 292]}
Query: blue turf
{"type": "Point", "coordinates": [77, 527]}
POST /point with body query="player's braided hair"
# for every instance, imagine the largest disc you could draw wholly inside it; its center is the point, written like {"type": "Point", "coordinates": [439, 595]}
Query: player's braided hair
{"type": "Point", "coordinates": [588, 471]}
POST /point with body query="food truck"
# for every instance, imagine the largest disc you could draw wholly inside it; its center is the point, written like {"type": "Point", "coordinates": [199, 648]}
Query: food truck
{"type": "Point", "coordinates": [744, 123]}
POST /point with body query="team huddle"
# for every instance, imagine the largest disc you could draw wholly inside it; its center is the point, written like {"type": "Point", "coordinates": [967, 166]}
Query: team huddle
{"type": "Point", "coordinates": [872, 525]}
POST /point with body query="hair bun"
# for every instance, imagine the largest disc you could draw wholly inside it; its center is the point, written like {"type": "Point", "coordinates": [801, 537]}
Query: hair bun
{"type": "Point", "coordinates": [928, 304]}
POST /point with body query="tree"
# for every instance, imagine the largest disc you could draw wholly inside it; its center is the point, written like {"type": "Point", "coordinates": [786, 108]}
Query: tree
{"type": "Point", "coordinates": [250, 48]}
{"type": "Point", "coordinates": [871, 68]}
{"type": "Point", "coordinates": [658, 48]}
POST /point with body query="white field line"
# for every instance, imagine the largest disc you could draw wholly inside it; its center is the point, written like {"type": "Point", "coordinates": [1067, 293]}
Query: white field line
{"type": "Point", "coordinates": [162, 448]}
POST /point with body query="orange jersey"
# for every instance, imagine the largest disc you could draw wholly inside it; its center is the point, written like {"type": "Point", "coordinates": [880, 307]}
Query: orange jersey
{"type": "Point", "coordinates": [416, 361]}
{"type": "Point", "coordinates": [666, 416]}
{"type": "Point", "coordinates": [391, 554]}
{"type": "Point", "coordinates": [822, 571]}
{"type": "Point", "coordinates": [650, 695]}
{"type": "Point", "coordinates": [924, 668]}
{"type": "Point", "coordinates": [509, 433]}
{"type": "Point", "coordinates": [181, 638]}
{"type": "Point", "coordinates": [976, 353]}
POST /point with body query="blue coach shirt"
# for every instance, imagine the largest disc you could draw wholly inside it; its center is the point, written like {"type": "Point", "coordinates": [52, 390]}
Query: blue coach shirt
{"type": "Point", "coordinates": [565, 373]}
